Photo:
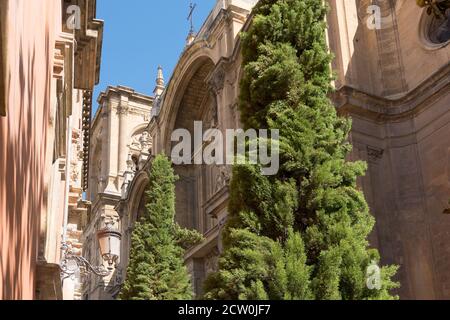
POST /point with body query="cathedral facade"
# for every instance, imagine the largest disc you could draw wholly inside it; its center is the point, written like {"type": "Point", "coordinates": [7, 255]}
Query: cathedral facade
{"type": "Point", "coordinates": [392, 79]}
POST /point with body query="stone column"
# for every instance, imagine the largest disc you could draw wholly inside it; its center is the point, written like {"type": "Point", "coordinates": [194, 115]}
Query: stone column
{"type": "Point", "coordinates": [104, 170]}
{"type": "Point", "coordinates": [122, 112]}
{"type": "Point", "coordinates": [113, 145]}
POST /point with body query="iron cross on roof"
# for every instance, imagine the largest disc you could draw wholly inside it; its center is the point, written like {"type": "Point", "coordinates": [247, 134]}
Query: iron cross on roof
{"type": "Point", "coordinates": [190, 17]}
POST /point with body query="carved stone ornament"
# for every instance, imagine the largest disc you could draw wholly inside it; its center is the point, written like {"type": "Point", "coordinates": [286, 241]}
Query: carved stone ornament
{"type": "Point", "coordinates": [141, 142]}
{"type": "Point", "coordinates": [212, 261]}
{"type": "Point", "coordinates": [222, 178]}
{"type": "Point", "coordinates": [374, 154]}
{"type": "Point", "coordinates": [217, 80]}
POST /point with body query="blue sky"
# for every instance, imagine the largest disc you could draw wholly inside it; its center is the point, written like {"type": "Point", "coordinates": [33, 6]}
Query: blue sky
{"type": "Point", "coordinates": [140, 35]}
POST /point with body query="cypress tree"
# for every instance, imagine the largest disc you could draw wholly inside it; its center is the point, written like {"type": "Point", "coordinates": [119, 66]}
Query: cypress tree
{"type": "Point", "coordinates": [302, 233]}
{"type": "Point", "coordinates": [156, 269]}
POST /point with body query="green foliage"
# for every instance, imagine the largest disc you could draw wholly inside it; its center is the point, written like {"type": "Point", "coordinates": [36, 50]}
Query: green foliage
{"type": "Point", "coordinates": [301, 234]}
{"type": "Point", "coordinates": [156, 269]}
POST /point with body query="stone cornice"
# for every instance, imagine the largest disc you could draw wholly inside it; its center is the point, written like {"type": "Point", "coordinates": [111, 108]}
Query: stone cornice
{"type": "Point", "coordinates": [101, 200]}
{"type": "Point", "coordinates": [123, 90]}
{"type": "Point", "coordinates": [105, 198]}
{"type": "Point", "coordinates": [350, 100]}
{"type": "Point", "coordinates": [118, 91]}
{"type": "Point", "coordinates": [89, 40]}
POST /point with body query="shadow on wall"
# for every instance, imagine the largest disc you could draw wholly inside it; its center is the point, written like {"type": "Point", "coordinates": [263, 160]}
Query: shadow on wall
{"type": "Point", "coordinates": [23, 136]}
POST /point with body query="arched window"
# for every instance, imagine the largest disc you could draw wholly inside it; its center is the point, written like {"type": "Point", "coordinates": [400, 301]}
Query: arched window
{"type": "Point", "coordinates": [439, 28]}
{"type": "Point", "coordinates": [435, 25]}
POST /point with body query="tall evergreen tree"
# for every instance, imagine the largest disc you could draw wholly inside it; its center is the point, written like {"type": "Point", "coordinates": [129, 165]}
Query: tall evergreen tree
{"type": "Point", "coordinates": [300, 234]}
{"type": "Point", "coordinates": [156, 269]}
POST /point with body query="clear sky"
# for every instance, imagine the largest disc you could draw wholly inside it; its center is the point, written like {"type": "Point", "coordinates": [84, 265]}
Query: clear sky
{"type": "Point", "coordinates": [142, 34]}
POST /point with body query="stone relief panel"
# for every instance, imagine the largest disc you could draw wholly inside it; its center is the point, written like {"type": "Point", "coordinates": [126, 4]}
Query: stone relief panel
{"type": "Point", "coordinates": [216, 81]}
{"type": "Point", "coordinates": [76, 161]}
{"type": "Point", "coordinates": [223, 177]}
{"type": "Point", "coordinates": [141, 141]}
{"type": "Point", "coordinates": [212, 261]}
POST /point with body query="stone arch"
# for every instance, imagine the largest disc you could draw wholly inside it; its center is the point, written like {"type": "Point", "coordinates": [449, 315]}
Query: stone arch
{"type": "Point", "coordinates": [190, 97]}
{"type": "Point", "coordinates": [134, 204]}
{"type": "Point", "coordinates": [191, 72]}
{"type": "Point", "coordinates": [139, 128]}
{"type": "Point", "coordinates": [137, 192]}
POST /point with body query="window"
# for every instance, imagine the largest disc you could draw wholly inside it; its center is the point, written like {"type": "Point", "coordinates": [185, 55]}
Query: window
{"type": "Point", "coordinates": [435, 28]}
{"type": "Point", "coordinates": [439, 28]}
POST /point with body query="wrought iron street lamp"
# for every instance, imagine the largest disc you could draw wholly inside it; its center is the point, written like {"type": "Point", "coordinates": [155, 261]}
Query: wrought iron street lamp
{"type": "Point", "coordinates": [72, 264]}
{"type": "Point", "coordinates": [109, 240]}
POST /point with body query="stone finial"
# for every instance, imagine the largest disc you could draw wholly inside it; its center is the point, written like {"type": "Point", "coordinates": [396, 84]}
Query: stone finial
{"type": "Point", "coordinates": [160, 84]}
{"type": "Point", "coordinates": [130, 163]}
{"type": "Point", "coordinates": [190, 38]}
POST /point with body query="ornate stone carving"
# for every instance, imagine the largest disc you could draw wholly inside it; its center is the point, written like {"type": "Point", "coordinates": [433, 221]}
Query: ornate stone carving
{"type": "Point", "coordinates": [145, 140]}
{"type": "Point", "coordinates": [217, 80]}
{"type": "Point", "coordinates": [77, 156]}
{"type": "Point", "coordinates": [74, 174]}
{"type": "Point", "coordinates": [123, 110]}
{"type": "Point", "coordinates": [374, 154]}
{"type": "Point", "coordinates": [141, 142]}
{"type": "Point", "coordinates": [214, 111]}
{"type": "Point", "coordinates": [222, 178]}
{"type": "Point", "coordinates": [131, 166]}
{"type": "Point", "coordinates": [212, 261]}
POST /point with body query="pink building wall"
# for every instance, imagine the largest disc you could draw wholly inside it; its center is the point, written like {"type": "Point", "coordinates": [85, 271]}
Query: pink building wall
{"type": "Point", "coordinates": [32, 26]}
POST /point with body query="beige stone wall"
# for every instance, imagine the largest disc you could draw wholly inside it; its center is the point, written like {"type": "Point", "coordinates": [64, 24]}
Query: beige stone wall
{"type": "Point", "coordinates": [32, 28]}
{"type": "Point", "coordinates": [119, 143]}
{"type": "Point", "coordinates": [389, 62]}
{"type": "Point", "coordinates": [407, 187]}
{"type": "Point", "coordinates": [395, 87]}
{"type": "Point", "coordinates": [44, 87]}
